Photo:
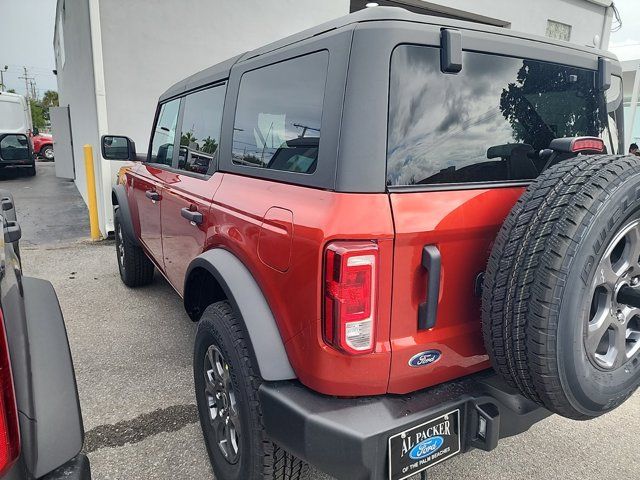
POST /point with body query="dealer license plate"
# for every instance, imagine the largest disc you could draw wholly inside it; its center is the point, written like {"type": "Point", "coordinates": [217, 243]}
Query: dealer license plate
{"type": "Point", "coordinates": [423, 446]}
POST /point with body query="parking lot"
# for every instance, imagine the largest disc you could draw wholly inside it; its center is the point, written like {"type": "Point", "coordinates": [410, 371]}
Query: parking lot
{"type": "Point", "coordinates": [132, 352]}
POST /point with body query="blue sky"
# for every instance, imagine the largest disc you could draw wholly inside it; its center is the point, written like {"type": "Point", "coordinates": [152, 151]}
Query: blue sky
{"type": "Point", "coordinates": [26, 39]}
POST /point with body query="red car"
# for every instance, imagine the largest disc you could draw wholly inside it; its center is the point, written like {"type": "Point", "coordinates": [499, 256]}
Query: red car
{"type": "Point", "coordinates": [332, 209]}
{"type": "Point", "coordinates": [42, 145]}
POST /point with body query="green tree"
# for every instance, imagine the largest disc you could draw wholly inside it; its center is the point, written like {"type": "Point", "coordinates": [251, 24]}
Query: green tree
{"type": "Point", "coordinates": [39, 114]}
{"type": "Point", "coordinates": [11, 90]}
{"type": "Point", "coordinates": [209, 145]}
{"type": "Point", "coordinates": [50, 99]}
{"type": "Point", "coordinates": [187, 139]}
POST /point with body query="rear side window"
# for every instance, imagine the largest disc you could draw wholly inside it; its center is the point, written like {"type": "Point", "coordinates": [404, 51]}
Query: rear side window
{"type": "Point", "coordinates": [200, 135]}
{"type": "Point", "coordinates": [486, 123]}
{"type": "Point", "coordinates": [164, 135]}
{"type": "Point", "coordinates": [278, 115]}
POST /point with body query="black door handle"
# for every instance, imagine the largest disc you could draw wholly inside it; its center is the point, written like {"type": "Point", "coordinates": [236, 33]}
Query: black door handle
{"type": "Point", "coordinates": [428, 311]}
{"type": "Point", "coordinates": [153, 195]}
{"type": "Point", "coordinates": [192, 215]}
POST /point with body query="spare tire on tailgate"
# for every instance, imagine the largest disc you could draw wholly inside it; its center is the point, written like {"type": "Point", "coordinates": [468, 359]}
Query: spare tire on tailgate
{"type": "Point", "coordinates": [561, 295]}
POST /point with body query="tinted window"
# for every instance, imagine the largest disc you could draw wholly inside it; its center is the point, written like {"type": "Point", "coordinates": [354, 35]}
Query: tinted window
{"type": "Point", "coordinates": [14, 147]}
{"type": "Point", "coordinates": [279, 113]}
{"type": "Point", "coordinates": [164, 135]}
{"type": "Point", "coordinates": [486, 123]}
{"type": "Point", "coordinates": [200, 135]}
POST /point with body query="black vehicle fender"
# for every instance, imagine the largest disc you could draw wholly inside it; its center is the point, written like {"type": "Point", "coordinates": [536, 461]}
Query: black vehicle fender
{"type": "Point", "coordinates": [120, 202]}
{"type": "Point", "coordinates": [243, 292]}
{"type": "Point", "coordinates": [53, 432]}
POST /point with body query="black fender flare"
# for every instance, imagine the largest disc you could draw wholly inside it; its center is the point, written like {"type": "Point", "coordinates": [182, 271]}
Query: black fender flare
{"type": "Point", "coordinates": [246, 297]}
{"type": "Point", "coordinates": [124, 213]}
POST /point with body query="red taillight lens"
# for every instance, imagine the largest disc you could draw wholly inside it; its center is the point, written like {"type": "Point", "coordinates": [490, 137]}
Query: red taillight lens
{"type": "Point", "coordinates": [592, 144]}
{"type": "Point", "coordinates": [350, 296]}
{"type": "Point", "coordinates": [9, 432]}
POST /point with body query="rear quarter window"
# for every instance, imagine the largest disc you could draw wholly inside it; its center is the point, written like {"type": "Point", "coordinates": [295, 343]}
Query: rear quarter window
{"type": "Point", "coordinates": [279, 114]}
{"type": "Point", "coordinates": [485, 124]}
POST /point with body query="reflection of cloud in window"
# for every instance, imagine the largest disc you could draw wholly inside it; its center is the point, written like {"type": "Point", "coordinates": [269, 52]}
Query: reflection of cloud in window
{"type": "Point", "coordinates": [439, 121]}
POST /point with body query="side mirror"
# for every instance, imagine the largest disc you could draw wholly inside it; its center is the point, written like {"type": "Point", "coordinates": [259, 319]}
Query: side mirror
{"type": "Point", "coordinates": [118, 148]}
{"type": "Point", "coordinates": [14, 147]}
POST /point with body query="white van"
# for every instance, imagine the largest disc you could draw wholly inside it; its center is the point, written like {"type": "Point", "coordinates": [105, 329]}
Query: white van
{"type": "Point", "coordinates": [16, 128]}
{"type": "Point", "coordinates": [15, 115]}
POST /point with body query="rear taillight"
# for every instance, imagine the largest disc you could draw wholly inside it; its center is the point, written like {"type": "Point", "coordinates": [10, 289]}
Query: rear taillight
{"type": "Point", "coordinates": [9, 432]}
{"type": "Point", "coordinates": [350, 294]}
{"type": "Point", "coordinates": [591, 144]}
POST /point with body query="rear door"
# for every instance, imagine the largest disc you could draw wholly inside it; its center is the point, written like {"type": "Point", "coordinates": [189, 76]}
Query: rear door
{"type": "Point", "coordinates": [149, 177]}
{"type": "Point", "coordinates": [461, 147]}
{"type": "Point", "coordinates": [186, 199]}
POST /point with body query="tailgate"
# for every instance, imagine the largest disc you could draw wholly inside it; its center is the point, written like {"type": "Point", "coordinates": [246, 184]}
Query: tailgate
{"type": "Point", "coordinates": [461, 225]}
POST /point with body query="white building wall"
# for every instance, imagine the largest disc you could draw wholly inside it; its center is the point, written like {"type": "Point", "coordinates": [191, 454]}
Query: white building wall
{"type": "Point", "coordinates": [586, 18]}
{"type": "Point", "coordinates": [75, 79]}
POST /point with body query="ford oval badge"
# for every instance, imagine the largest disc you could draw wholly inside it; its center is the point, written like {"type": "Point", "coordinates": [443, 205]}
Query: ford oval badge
{"type": "Point", "coordinates": [423, 359]}
{"type": "Point", "coordinates": [426, 448]}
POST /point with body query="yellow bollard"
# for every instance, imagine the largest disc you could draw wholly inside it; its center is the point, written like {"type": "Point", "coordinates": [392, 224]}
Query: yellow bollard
{"type": "Point", "coordinates": [91, 192]}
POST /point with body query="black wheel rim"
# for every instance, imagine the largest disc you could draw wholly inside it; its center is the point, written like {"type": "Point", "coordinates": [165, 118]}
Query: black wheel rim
{"type": "Point", "coordinates": [120, 247]}
{"type": "Point", "coordinates": [221, 404]}
{"type": "Point", "coordinates": [612, 333]}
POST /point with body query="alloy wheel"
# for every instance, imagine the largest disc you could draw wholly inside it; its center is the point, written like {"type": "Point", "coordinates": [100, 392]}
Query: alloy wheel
{"type": "Point", "coordinates": [120, 247]}
{"type": "Point", "coordinates": [612, 332]}
{"type": "Point", "coordinates": [221, 403]}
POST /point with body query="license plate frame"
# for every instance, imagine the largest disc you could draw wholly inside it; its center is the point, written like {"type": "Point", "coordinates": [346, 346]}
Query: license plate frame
{"type": "Point", "coordinates": [422, 446]}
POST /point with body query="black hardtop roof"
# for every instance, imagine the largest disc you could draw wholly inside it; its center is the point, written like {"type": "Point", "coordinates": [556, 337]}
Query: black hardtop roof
{"type": "Point", "coordinates": [221, 70]}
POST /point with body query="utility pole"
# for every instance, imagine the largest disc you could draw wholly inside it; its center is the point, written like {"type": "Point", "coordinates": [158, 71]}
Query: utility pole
{"type": "Point", "coordinates": [26, 79]}
{"type": "Point", "coordinates": [2, 70]}
{"type": "Point", "coordinates": [34, 91]}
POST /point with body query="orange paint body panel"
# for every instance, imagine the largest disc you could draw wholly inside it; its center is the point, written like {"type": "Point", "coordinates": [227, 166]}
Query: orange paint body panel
{"type": "Point", "coordinates": [295, 295]}
{"type": "Point", "coordinates": [463, 225]}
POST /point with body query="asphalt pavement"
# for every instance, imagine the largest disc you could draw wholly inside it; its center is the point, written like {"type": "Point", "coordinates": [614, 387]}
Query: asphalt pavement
{"type": "Point", "coordinates": [133, 357]}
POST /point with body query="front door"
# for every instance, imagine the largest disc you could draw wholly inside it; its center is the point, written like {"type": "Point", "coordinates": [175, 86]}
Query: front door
{"type": "Point", "coordinates": [150, 177]}
{"type": "Point", "coordinates": [186, 199]}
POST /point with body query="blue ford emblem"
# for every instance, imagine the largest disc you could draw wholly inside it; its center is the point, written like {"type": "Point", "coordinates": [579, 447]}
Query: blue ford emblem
{"type": "Point", "coordinates": [426, 448]}
{"type": "Point", "coordinates": [425, 358]}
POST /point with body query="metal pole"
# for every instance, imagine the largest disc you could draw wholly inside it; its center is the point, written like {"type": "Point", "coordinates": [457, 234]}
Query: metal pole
{"type": "Point", "coordinates": [91, 192]}
{"type": "Point", "coordinates": [634, 104]}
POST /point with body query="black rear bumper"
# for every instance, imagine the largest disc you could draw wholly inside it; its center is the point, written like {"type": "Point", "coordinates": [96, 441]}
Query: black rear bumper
{"type": "Point", "coordinates": [348, 438]}
{"type": "Point", "coordinates": [75, 469]}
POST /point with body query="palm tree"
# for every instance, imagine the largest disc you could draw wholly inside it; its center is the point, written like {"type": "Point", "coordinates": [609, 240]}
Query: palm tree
{"type": "Point", "coordinates": [50, 99]}
{"type": "Point", "coordinates": [209, 145]}
{"type": "Point", "coordinates": [187, 139]}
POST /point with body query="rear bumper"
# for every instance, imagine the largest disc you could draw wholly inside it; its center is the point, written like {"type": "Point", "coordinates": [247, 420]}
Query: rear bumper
{"type": "Point", "coordinates": [75, 469]}
{"type": "Point", "coordinates": [17, 163]}
{"type": "Point", "coordinates": [348, 438]}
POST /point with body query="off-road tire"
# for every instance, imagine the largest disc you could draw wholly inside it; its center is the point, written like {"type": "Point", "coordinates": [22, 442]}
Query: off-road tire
{"type": "Point", "coordinates": [536, 287]}
{"type": "Point", "coordinates": [259, 458]}
{"type": "Point", "coordinates": [136, 270]}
